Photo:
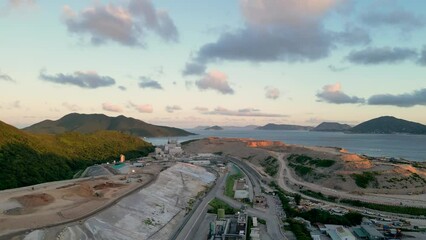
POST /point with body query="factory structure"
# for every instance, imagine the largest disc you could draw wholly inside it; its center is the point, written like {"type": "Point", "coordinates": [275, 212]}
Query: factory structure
{"type": "Point", "coordinates": [232, 227]}
{"type": "Point", "coordinates": [171, 149]}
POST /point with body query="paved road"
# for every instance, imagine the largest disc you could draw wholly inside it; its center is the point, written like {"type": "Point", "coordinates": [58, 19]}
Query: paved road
{"type": "Point", "coordinates": [374, 198]}
{"type": "Point", "coordinates": [190, 228]}
{"type": "Point", "coordinates": [272, 222]}
{"type": "Point", "coordinates": [285, 175]}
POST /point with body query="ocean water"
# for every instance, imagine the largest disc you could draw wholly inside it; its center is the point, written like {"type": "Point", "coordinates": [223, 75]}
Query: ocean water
{"type": "Point", "coordinates": [410, 147]}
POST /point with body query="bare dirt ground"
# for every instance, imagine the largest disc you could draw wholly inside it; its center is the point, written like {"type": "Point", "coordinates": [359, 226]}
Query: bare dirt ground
{"type": "Point", "coordinates": [401, 181]}
{"type": "Point", "coordinates": [152, 212]}
{"type": "Point", "coordinates": [52, 203]}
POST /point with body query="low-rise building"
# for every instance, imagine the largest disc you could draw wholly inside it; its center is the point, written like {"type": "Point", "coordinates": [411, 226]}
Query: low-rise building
{"type": "Point", "coordinates": [315, 235]}
{"type": "Point", "coordinates": [338, 232]}
{"type": "Point", "coordinates": [372, 233]}
{"type": "Point", "coordinates": [233, 228]}
{"type": "Point", "coordinates": [241, 189]}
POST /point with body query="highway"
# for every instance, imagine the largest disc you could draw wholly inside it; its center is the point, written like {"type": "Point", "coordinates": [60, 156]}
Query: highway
{"type": "Point", "coordinates": [273, 224]}
{"type": "Point", "coordinates": [189, 228]}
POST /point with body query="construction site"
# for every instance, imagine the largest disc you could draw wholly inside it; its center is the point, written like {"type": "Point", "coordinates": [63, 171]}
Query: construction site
{"type": "Point", "coordinates": [122, 201]}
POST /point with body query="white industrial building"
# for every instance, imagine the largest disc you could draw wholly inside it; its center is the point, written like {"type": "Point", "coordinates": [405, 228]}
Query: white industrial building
{"type": "Point", "coordinates": [173, 148]}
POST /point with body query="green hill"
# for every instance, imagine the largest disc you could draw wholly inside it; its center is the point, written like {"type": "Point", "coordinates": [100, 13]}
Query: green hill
{"type": "Point", "coordinates": [331, 127]}
{"type": "Point", "coordinates": [387, 124]}
{"type": "Point", "coordinates": [27, 159]}
{"type": "Point", "coordinates": [89, 123]}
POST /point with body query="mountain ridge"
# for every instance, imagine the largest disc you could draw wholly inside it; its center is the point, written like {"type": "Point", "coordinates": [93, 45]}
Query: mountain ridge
{"type": "Point", "coordinates": [90, 123]}
{"type": "Point", "coordinates": [389, 125]}
{"type": "Point", "coordinates": [331, 127]}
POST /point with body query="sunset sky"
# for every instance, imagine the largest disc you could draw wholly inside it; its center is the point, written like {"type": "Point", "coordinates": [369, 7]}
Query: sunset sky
{"type": "Point", "coordinates": [226, 62]}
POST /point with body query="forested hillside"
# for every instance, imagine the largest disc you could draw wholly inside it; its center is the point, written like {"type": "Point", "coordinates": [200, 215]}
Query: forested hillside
{"type": "Point", "coordinates": [27, 159]}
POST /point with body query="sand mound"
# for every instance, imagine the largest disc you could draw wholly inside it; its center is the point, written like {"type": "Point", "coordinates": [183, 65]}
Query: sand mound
{"type": "Point", "coordinates": [35, 200]}
{"type": "Point", "coordinates": [407, 170]}
{"type": "Point", "coordinates": [264, 144]}
{"type": "Point", "coordinates": [353, 161]}
{"type": "Point", "coordinates": [84, 190]}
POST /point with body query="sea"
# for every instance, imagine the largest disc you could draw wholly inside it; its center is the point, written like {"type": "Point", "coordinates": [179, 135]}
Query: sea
{"type": "Point", "coordinates": [405, 146]}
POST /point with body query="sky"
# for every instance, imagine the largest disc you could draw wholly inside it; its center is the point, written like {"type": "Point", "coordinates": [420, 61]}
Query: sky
{"type": "Point", "coordinates": [224, 62]}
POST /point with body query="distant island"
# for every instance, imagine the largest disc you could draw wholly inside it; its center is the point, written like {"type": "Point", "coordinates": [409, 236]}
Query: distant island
{"type": "Point", "coordinates": [389, 125]}
{"type": "Point", "coordinates": [380, 125]}
{"type": "Point", "coordinates": [213, 128]}
{"type": "Point", "coordinates": [27, 158]}
{"type": "Point", "coordinates": [248, 127]}
{"type": "Point", "coordinates": [272, 126]}
{"type": "Point", "coordinates": [331, 127]}
{"type": "Point", "coordinates": [90, 123]}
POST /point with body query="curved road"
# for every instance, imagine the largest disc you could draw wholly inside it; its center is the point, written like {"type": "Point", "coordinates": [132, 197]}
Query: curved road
{"type": "Point", "coordinates": [285, 174]}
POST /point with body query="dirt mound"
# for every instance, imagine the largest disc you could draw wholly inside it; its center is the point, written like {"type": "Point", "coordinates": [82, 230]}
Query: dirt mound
{"type": "Point", "coordinates": [407, 170]}
{"type": "Point", "coordinates": [264, 144]}
{"type": "Point", "coordinates": [35, 200]}
{"type": "Point", "coordinates": [107, 185]}
{"type": "Point", "coordinates": [353, 161]}
{"type": "Point", "coordinates": [84, 190]}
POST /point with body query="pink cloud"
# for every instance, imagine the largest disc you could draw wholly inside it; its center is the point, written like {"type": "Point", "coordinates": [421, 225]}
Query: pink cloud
{"type": "Point", "coordinates": [284, 12]}
{"type": "Point", "coordinates": [111, 107]}
{"type": "Point", "coordinates": [215, 80]}
{"type": "Point", "coordinates": [272, 93]}
{"type": "Point", "coordinates": [144, 108]}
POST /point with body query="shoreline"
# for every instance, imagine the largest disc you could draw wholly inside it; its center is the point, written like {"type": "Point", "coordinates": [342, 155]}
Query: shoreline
{"type": "Point", "coordinates": [400, 149]}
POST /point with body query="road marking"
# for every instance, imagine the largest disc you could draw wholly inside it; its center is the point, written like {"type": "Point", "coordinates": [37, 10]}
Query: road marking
{"type": "Point", "coordinates": [196, 220]}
